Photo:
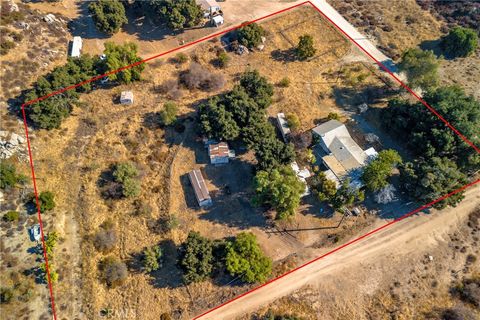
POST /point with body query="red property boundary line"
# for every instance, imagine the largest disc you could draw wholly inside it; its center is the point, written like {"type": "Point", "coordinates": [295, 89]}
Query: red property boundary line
{"type": "Point", "coordinates": [383, 67]}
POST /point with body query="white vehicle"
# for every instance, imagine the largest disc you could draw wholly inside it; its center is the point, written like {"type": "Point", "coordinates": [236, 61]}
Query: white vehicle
{"type": "Point", "coordinates": [35, 233]}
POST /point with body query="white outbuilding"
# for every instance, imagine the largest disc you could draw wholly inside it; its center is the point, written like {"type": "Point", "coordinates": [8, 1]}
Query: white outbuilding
{"type": "Point", "coordinates": [76, 49]}
{"type": "Point", "coordinates": [126, 97]}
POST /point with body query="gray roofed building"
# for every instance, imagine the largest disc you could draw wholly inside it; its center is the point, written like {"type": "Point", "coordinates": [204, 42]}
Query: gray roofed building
{"type": "Point", "coordinates": [200, 188]}
{"type": "Point", "coordinates": [344, 155]}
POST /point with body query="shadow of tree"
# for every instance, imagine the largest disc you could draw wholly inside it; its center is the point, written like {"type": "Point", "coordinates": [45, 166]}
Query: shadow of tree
{"type": "Point", "coordinates": [287, 55]}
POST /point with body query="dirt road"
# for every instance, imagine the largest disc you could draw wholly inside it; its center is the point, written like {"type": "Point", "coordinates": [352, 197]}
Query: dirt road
{"type": "Point", "coordinates": [412, 234]}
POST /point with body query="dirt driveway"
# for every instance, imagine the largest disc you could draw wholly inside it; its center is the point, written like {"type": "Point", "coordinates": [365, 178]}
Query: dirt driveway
{"type": "Point", "coordinates": [415, 233]}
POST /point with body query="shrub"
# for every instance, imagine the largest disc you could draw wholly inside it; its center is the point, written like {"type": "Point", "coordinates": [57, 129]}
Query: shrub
{"type": "Point", "coordinates": [11, 216]}
{"type": "Point", "coordinates": [113, 272]}
{"type": "Point", "coordinates": [171, 89]}
{"type": "Point", "coordinates": [181, 58]}
{"type": "Point", "coordinates": [285, 82]}
{"type": "Point", "coordinates": [196, 258]}
{"type": "Point", "coordinates": [458, 313]}
{"type": "Point", "coordinates": [9, 177]}
{"type": "Point", "coordinates": [169, 113]}
{"type": "Point", "coordinates": [46, 201]}
{"type": "Point", "coordinates": [305, 48]}
{"type": "Point", "coordinates": [119, 56]}
{"type": "Point", "coordinates": [246, 260]}
{"type": "Point", "coordinates": [106, 238]}
{"type": "Point", "coordinates": [51, 269]}
{"type": "Point", "coordinates": [251, 35]}
{"type": "Point", "coordinates": [131, 188]}
{"type": "Point", "coordinates": [460, 42]}
{"type": "Point", "coordinates": [469, 290]}
{"type": "Point", "coordinates": [6, 295]}
{"type": "Point", "coordinates": [421, 68]}
{"type": "Point", "coordinates": [5, 46]}
{"type": "Point", "coordinates": [293, 121]}
{"type": "Point", "coordinates": [199, 77]}
{"type": "Point", "coordinates": [223, 59]}
{"type": "Point", "coordinates": [333, 116]}
{"type": "Point", "coordinates": [109, 15]}
{"type": "Point", "coordinates": [152, 258]}
{"type": "Point", "coordinates": [179, 14]}
{"type": "Point", "coordinates": [126, 174]}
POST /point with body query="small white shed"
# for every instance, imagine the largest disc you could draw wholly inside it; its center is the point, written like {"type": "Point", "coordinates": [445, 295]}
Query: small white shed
{"type": "Point", "coordinates": [126, 97]}
{"type": "Point", "coordinates": [217, 20]}
{"type": "Point", "coordinates": [76, 49]}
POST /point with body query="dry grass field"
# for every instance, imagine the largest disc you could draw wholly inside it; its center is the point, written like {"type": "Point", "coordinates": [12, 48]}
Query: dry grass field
{"type": "Point", "coordinates": [72, 161]}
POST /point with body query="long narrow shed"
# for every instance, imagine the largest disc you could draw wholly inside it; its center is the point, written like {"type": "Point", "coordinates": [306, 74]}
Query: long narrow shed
{"type": "Point", "coordinates": [200, 188]}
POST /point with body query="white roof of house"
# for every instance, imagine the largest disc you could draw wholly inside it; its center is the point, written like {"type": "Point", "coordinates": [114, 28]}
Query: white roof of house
{"type": "Point", "coordinates": [218, 19]}
{"type": "Point", "coordinates": [345, 154]}
{"type": "Point", "coordinates": [283, 124]}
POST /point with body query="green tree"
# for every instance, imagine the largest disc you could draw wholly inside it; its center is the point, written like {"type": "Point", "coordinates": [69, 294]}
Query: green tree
{"type": "Point", "coordinates": [428, 180]}
{"type": "Point", "coordinates": [109, 15]}
{"type": "Point", "coordinates": [223, 59]}
{"type": "Point", "coordinates": [196, 258]}
{"type": "Point", "coordinates": [305, 48]}
{"type": "Point", "coordinates": [51, 269]}
{"type": "Point", "coordinates": [426, 136]}
{"type": "Point", "coordinates": [251, 35]}
{"type": "Point", "coordinates": [127, 174]}
{"type": "Point", "coordinates": [216, 122]}
{"type": "Point", "coordinates": [50, 243]}
{"type": "Point", "coordinates": [246, 259]}
{"type": "Point", "coordinates": [279, 189]}
{"type": "Point", "coordinates": [293, 121]}
{"type": "Point", "coordinates": [9, 177]}
{"type": "Point", "coordinates": [324, 188]}
{"type": "Point", "coordinates": [257, 87]}
{"type": "Point", "coordinates": [169, 113]}
{"type": "Point", "coordinates": [119, 56]}
{"type": "Point", "coordinates": [271, 152]}
{"type": "Point", "coordinates": [152, 258]}
{"type": "Point", "coordinates": [46, 201]}
{"type": "Point", "coordinates": [375, 175]}
{"type": "Point", "coordinates": [179, 14]}
{"type": "Point", "coordinates": [421, 68]}
{"type": "Point", "coordinates": [460, 42]}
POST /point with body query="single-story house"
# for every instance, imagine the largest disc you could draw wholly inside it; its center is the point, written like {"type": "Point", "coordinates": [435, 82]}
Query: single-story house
{"type": "Point", "coordinates": [200, 188]}
{"type": "Point", "coordinates": [220, 153]}
{"type": "Point", "coordinates": [210, 7]}
{"type": "Point", "coordinates": [76, 48]}
{"type": "Point", "coordinates": [343, 155]}
{"type": "Point", "coordinates": [126, 97]}
{"type": "Point", "coordinates": [283, 125]}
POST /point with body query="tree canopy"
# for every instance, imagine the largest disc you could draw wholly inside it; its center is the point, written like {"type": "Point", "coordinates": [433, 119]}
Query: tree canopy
{"type": "Point", "coordinates": [109, 15]}
{"type": "Point", "coordinates": [426, 135]}
{"type": "Point", "coordinates": [246, 259]}
{"type": "Point", "coordinates": [240, 114]}
{"type": "Point", "coordinates": [279, 189]}
{"type": "Point", "coordinates": [305, 48]}
{"type": "Point", "coordinates": [118, 56]}
{"type": "Point", "coordinates": [9, 177]}
{"type": "Point", "coordinates": [428, 180]}
{"type": "Point", "coordinates": [196, 258]}
{"type": "Point", "coordinates": [460, 42]}
{"type": "Point", "coordinates": [179, 14]}
{"type": "Point", "coordinates": [375, 175]}
{"type": "Point", "coordinates": [421, 68]}
{"type": "Point", "coordinates": [126, 174]}
{"type": "Point", "coordinates": [340, 198]}
{"type": "Point", "coordinates": [169, 113]}
{"type": "Point", "coordinates": [251, 35]}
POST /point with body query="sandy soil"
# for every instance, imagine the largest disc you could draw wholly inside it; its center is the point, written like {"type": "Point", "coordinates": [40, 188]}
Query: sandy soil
{"type": "Point", "coordinates": [401, 239]}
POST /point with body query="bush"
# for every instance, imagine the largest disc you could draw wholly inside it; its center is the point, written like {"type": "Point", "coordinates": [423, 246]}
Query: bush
{"type": "Point", "coordinates": [179, 14]}
{"type": "Point", "coordinates": [284, 83]}
{"type": "Point", "coordinates": [469, 291]}
{"type": "Point", "coordinates": [293, 121]}
{"type": "Point", "coordinates": [51, 269]}
{"type": "Point", "coordinates": [196, 258]}
{"type": "Point", "coordinates": [169, 114]}
{"type": "Point", "coordinates": [5, 46]}
{"type": "Point", "coordinates": [109, 15]}
{"type": "Point", "coordinates": [246, 260]}
{"type": "Point", "coordinates": [460, 42]}
{"type": "Point", "coordinates": [106, 238]}
{"type": "Point", "coordinates": [181, 58]}
{"type": "Point", "coordinates": [421, 68]}
{"type": "Point", "coordinates": [152, 258]}
{"type": "Point", "coordinates": [11, 216]}
{"type": "Point", "coordinates": [113, 272]}
{"type": "Point", "coordinates": [333, 116]}
{"type": "Point", "coordinates": [6, 295]}
{"type": "Point", "coordinates": [251, 35]}
{"type": "Point", "coordinates": [9, 177]}
{"type": "Point", "coordinates": [223, 59]}
{"type": "Point", "coordinates": [171, 89]}
{"type": "Point", "coordinates": [46, 200]}
{"type": "Point", "coordinates": [458, 313]}
{"type": "Point", "coordinates": [126, 174]}
{"type": "Point", "coordinates": [199, 77]}
{"type": "Point", "coordinates": [305, 48]}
